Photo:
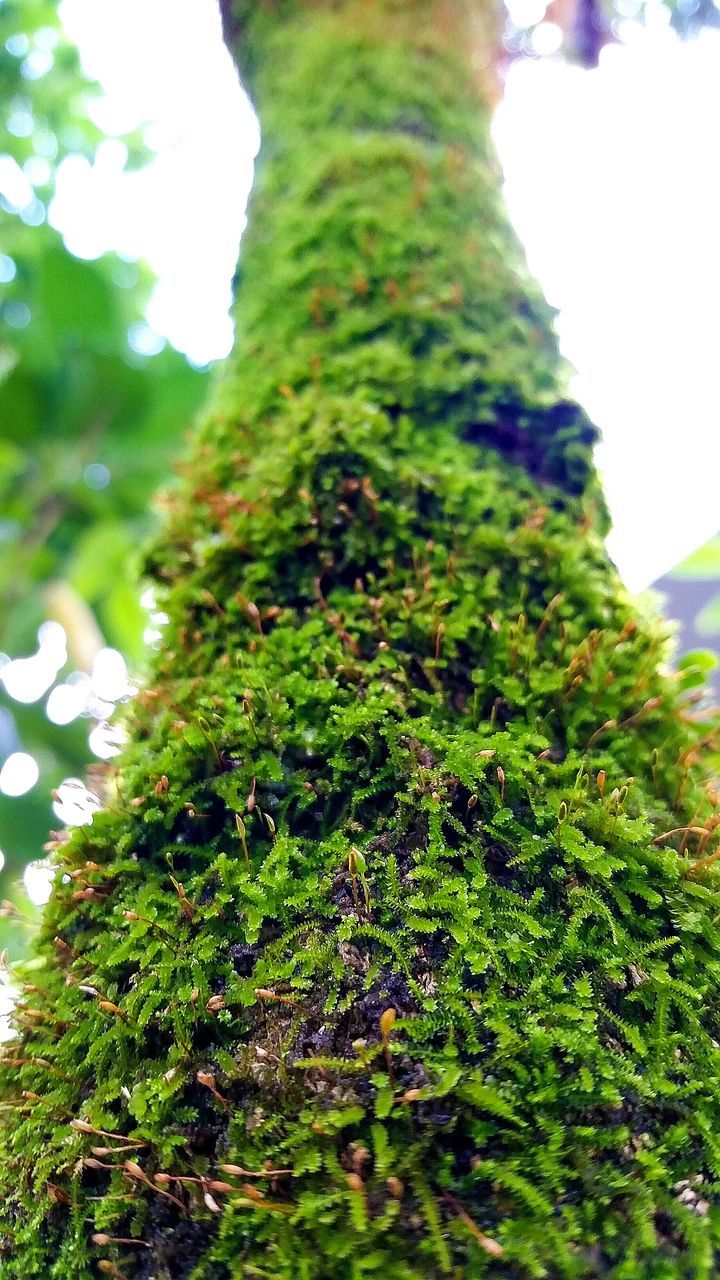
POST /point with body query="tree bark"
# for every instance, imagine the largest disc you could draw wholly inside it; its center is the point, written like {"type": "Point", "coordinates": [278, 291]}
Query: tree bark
{"type": "Point", "coordinates": [394, 951]}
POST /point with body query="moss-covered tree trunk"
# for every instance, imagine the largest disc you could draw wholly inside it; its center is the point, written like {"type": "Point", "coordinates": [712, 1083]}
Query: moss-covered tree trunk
{"type": "Point", "coordinates": [394, 952]}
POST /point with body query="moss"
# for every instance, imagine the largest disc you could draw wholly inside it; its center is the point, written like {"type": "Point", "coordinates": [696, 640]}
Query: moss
{"type": "Point", "coordinates": [380, 959]}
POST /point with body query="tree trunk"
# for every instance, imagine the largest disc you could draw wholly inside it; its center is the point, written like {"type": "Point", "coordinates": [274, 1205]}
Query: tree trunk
{"type": "Point", "coordinates": [394, 951]}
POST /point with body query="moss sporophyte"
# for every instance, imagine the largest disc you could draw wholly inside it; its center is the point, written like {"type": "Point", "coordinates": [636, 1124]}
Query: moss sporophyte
{"type": "Point", "coordinates": [395, 949]}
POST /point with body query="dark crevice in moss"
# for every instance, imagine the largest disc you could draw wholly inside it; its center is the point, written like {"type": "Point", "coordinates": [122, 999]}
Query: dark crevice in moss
{"type": "Point", "coordinates": [550, 443]}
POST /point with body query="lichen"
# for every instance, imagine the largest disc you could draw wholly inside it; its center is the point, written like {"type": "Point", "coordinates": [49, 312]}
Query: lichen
{"type": "Point", "coordinates": [394, 951]}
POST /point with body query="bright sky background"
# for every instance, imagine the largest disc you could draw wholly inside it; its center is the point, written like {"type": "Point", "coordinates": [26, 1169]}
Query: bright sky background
{"type": "Point", "coordinates": [613, 182]}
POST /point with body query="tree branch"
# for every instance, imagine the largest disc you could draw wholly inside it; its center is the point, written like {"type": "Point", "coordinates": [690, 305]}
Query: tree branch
{"type": "Point", "coordinates": [232, 28]}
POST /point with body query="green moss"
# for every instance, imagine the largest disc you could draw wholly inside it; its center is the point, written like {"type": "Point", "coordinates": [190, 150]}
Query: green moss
{"type": "Point", "coordinates": [382, 897]}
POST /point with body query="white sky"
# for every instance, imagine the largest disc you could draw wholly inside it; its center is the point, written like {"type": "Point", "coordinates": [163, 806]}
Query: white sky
{"type": "Point", "coordinates": [613, 182]}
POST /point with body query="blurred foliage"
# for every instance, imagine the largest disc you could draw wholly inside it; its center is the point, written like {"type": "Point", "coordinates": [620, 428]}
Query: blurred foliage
{"type": "Point", "coordinates": [87, 425]}
{"type": "Point", "coordinates": [588, 25]}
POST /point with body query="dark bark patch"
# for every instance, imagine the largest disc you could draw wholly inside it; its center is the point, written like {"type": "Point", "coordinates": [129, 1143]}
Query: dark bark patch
{"type": "Point", "coordinates": [552, 443]}
{"type": "Point", "coordinates": [177, 1243]}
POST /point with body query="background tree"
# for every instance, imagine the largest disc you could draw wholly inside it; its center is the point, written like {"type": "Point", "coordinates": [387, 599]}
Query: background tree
{"type": "Point", "coordinates": [394, 950]}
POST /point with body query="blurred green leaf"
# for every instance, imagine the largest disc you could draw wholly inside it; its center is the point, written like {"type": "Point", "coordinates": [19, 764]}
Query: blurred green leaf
{"type": "Point", "coordinates": [75, 303]}
{"type": "Point", "coordinates": [694, 668]}
{"type": "Point", "coordinates": [701, 564]}
{"type": "Point", "coordinates": [707, 622]}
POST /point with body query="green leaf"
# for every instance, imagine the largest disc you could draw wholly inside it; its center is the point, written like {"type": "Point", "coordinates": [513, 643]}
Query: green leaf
{"type": "Point", "coordinates": [695, 667]}
{"type": "Point", "coordinates": [707, 621]}
{"type": "Point", "coordinates": [701, 564]}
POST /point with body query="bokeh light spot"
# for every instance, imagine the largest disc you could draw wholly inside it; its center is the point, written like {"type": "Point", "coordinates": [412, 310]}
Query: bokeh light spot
{"type": "Point", "coordinates": [144, 340]}
{"type": "Point", "coordinates": [37, 64]}
{"type": "Point", "coordinates": [20, 123]}
{"type": "Point", "coordinates": [17, 45]}
{"type": "Point", "coordinates": [17, 314]}
{"type": "Point", "coordinates": [19, 774]}
{"type": "Point", "coordinates": [107, 740]}
{"type": "Point", "coordinates": [110, 676]}
{"type": "Point", "coordinates": [37, 170]}
{"type": "Point", "coordinates": [27, 679]}
{"type": "Point", "coordinates": [38, 878]}
{"type": "Point", "coordinates": [73, 804]}
{"type": "Point", "coordinates": [68, 701]}
{"type": "Point", "coordinates": [546, 39]}
{"type": "Point", "coordinates": [96, 475]}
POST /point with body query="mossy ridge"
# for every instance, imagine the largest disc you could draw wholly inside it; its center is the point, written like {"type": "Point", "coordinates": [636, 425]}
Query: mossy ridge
{"type": "Point", "coordinates": [408, 747]}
